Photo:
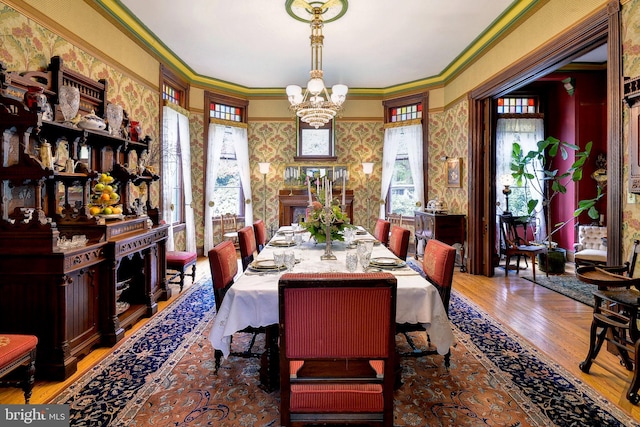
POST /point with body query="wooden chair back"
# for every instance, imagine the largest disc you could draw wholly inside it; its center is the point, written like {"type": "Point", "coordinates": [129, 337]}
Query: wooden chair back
{"type": "Point", "coordinates": [399, 241]}
{"type": "Point", "coordinates": [260, 231]}
{"type": "Point", "coordinates": [248, 247]}
{"type": "Point", "coordinates": [381, 231]}
{"type": "Point", "coordinates": [224, 267]}
{"type": "Point", "coordinates": [337, 348]}
{"type": "Point", "coordinates": [438, 263]}
{"type": "Point", "coordinates": [395, 219]}
{"type": "Point", "coordinates": [229, 227]}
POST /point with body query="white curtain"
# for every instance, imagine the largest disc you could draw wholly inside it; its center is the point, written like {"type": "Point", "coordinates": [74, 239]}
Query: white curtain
{"type": "Point", "coordinates": [412, 136]}
{"type": "Point", "coordinates": [214, 148]}
{"type": "Point", "coordinates": [527, 133]}
{"type": "Point", "coordinates": [392, 137]}
{"type": "Point", "coordinates": [169, 145]}
{"type": "Point", "coordinates": [176, 134]}
{"type": "Point", "coordinates": [185, 156]}
{"type": "Point", "coordinates": [241, 145]}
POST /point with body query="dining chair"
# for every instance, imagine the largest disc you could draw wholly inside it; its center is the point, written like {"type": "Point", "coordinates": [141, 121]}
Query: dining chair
{"type": "Point", "coordinates": [248, 247]}
{"type": "Point", "coordinates": [515, 245]}
{"type": "Point", "coordinates": [337, 348]}
{"type": "Point", "coordinates": [381, 231]}
{"type": "Point", "coordinates": [18, 356]}
{"type": "Point", "coordinates": [260, 231]}
{"type": "Point", "coordinates": [438, 265]}
{"type": "Point", "coordinates": [229, 228]}
{"type": "Point", "coordinates": [223, 263]}
{"type": "Point", "coordinates": [399, 241]}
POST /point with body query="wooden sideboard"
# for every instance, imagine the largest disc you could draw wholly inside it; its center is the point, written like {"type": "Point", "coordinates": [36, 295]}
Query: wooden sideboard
{"type": "Point", "coordinates": [449, 229]}
{"type": "Point", "coordinates": [72, 298]}
{"type": "Point", "coordinates": [292, 204]}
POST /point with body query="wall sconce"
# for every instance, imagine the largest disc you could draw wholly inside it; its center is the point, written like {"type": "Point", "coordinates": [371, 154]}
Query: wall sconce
{"type": "Point", "coordinates": [507, 181]}
{"type": "Point", "coordinates": [569, 84]}
{"type": "Point", "coordinates": [367, 168]}
{"type": "Point", "coordinates": [264, 170]}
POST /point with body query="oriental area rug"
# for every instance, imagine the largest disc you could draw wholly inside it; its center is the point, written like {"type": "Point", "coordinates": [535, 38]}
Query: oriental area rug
{"type": "Point", "coordinates": [163, 375]}
{"type": "Point", "coordinates": [568, 285]}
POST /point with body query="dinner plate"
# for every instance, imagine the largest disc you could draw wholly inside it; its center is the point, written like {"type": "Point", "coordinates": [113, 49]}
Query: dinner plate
{"type": "Point", "coordinates": [282, 244]}
{"type": "Point", "coordinates": [387, 262]}
{"type": "Point", "coordinates": [265, 264]}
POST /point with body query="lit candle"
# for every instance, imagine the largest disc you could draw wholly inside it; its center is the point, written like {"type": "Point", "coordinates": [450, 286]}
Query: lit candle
{"type": "Point", "coordinates": [309, 190]}
{"type": "Point", "coordinates": [344, 190]}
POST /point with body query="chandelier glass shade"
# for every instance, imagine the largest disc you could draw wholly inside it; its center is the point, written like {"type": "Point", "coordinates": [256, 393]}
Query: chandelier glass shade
{"type": "Point", "coordinates": [315, 106]}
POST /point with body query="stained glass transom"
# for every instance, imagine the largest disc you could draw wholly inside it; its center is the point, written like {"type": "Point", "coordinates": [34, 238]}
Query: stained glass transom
{"type": "Point", "coordinates": [517, 106]}
{"type": "Point", "coordinates": [225, 112]}
{"type": "Point", "coordinates": [171, 94]}
{"type": "Point", "coordinates": [409, 112]}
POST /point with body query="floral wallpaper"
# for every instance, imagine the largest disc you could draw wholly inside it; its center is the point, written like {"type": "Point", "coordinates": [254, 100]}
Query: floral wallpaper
{"type": "Point", "coordinates": [275, 142]}
{"type": "Point", "coordinates": [631, 68]}
{"type": "Point", "coordinates": [448, 137]}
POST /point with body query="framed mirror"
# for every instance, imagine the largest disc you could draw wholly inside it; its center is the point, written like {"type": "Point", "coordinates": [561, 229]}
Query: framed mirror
{"type": "Point", "coordinates": [315, 144]}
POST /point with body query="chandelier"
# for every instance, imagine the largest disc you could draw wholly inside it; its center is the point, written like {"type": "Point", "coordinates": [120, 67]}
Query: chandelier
{"type": "Point", "coordinates": [315, 106]}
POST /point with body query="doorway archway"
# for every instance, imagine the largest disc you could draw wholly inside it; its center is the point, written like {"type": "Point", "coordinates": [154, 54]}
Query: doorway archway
{"type": "Point", "coordinates": [603, 27]}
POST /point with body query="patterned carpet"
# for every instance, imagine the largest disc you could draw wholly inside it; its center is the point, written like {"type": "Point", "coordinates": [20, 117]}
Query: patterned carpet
{"type": "Point", "coordinates": [568, 285]}
{"type": "Point", "coordinates": [163, 376]}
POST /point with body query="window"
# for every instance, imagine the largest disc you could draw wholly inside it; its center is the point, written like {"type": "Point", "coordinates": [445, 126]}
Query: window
{"type": "Point", "coordinates": [228, 189]}
{"type": "Point", "coordinates": [173, 92]}
{"type": "Point", "coordinates": [404, 129]}
{"type": "Point", "coordinates": [228, 195]}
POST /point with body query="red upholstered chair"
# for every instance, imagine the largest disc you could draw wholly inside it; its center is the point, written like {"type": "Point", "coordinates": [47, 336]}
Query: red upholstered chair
{"type": "Point", "coordinates": [337, 348]}
{"type": "Point", "coordinates": [399, 241]}
{"type": "Point", "coordinates": [177, 264]}
{"type": "Point", "coordinates": [438, 264]}
{"type": "Point", "coordinates": [248, 247]}
{"type": "Point", "coordinates": [381, 232]}
{"type": "Point", "coordinates": [223, 262]}
{"type": "Point", "coordinates": [18, 352]}
{"type": "Point", "coordinates": [260, 231]}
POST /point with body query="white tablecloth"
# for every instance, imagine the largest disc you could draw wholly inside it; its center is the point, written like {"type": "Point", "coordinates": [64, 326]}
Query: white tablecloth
{"type": "Point", "coordinates": [253, 298]}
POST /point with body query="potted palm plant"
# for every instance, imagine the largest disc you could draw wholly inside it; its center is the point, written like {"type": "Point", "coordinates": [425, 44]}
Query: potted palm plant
{"type": "Point", "coordinates": [534, 170]}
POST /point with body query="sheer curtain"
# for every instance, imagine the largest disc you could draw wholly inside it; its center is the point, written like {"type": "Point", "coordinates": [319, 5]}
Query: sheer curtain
{"type": "Point", "coordinates": [241, 144]}
{"type": "Point", "coordinates": [412, 135]}
{"type": "Point", "coordinates": [527, 133]}
{"type": "Point", "coordinates": [392, 137]}
{"type": "Point", "coordinates": [169, 145]}
{"type": "Point", "coordinates": [176, 134]}
{"type": "Point", "coordinates": [185, 156]}
{"type": "Point", "coordinates": [214, 148]}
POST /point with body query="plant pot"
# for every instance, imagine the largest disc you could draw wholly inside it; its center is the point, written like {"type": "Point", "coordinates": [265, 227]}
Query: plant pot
{"type": "Point", "coordinates": [557, 260]}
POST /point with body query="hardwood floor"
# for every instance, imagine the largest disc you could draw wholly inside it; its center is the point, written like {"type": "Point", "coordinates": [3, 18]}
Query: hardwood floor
{"type": "Point", "coordinates": [555, 324]}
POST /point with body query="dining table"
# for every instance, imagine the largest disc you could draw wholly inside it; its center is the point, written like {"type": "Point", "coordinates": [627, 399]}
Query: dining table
{"type": "Point", "coordinates": [252, 300]}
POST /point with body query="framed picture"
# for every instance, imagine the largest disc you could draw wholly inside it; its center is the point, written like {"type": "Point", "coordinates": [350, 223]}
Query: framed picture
{"type": "Point", "coordinates": [454, 172]}
{"type": "Point", "coordinates": [315, 144]}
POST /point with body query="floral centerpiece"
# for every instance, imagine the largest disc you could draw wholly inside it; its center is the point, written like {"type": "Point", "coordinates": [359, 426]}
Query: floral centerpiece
{"type": "Point", "coordinates": [319, 216]}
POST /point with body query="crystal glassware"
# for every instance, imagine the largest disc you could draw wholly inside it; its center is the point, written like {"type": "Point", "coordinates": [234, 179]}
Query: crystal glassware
{"type": "Point", "coordinates": [278, 259]}
{"type": "Point", "coordinates": [69, 101]}
{"type": "Point", "coordinates": [352, 261]}
{"type": "Point", "coordinates": [115, 115]}
{"type": "Point", "coordinates": [289, 259]}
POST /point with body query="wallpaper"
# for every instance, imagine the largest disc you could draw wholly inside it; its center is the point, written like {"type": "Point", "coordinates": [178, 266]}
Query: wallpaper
{"type": "Point", "coordinates": [630, 68]}
{"type": "Point", "coordinates": [448, 138]}
{"type": "Point", "coordinates": [275, 142]}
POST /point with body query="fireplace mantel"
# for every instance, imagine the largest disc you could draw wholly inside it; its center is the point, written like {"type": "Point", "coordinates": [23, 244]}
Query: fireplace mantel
{"type": "Point", "coordinates": [292, 204]}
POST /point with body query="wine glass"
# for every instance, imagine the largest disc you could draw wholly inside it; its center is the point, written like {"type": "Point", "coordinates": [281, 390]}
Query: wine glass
{"type": "Point", "coordinates": [364, 259]}
{"type": "Point", "coordinates": [288, 237]}
{"type": "Point", "coordinates": [289, 260]}
{"type": "Point", "coordinates": [278, 259]}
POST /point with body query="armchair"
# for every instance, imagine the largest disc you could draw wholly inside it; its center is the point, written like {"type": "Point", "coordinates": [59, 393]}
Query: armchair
{"type": "Point", "coordinates": [592, 245]}
{"type": "Point", "coordinates": [337, 348]}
